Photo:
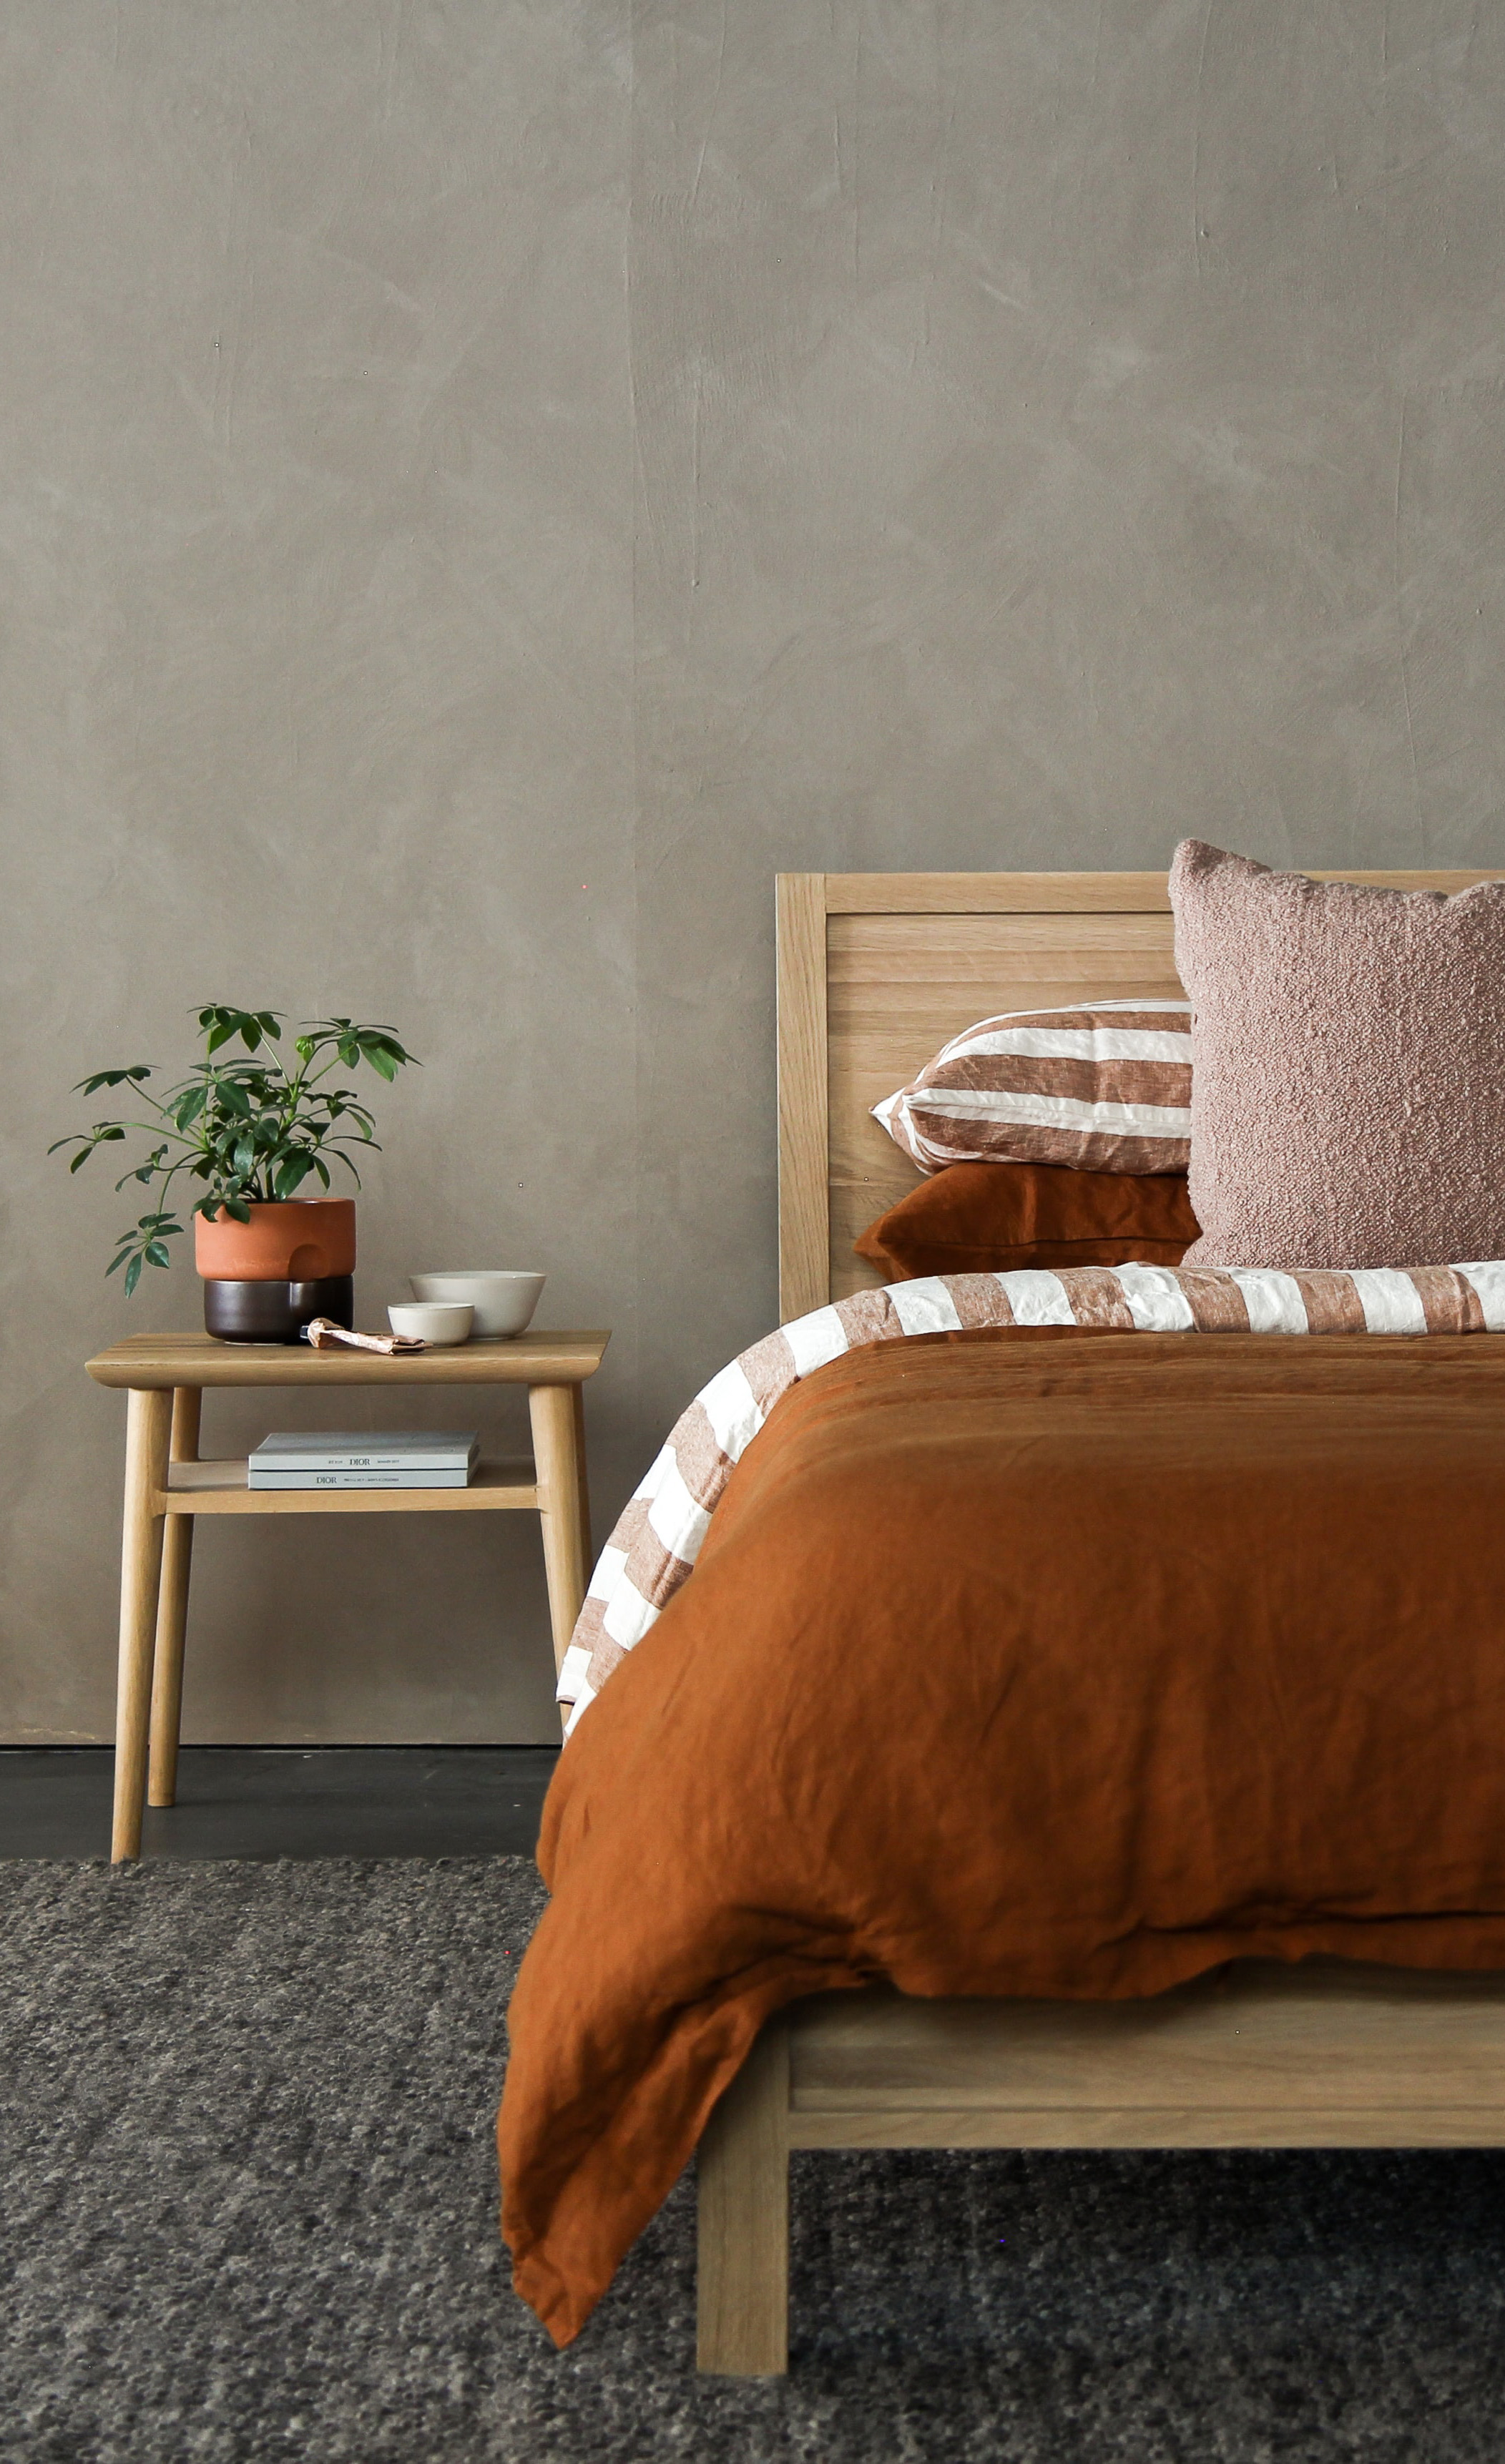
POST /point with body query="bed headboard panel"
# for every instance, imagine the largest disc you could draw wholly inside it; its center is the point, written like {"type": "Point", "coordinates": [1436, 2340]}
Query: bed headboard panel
{"type": "Point", "coordinates": [876, 970]}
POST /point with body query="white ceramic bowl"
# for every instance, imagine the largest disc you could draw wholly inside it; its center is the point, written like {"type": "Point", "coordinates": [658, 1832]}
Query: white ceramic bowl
{"type": "Point", "coordinates": [447, 1322]}
{"type": "Point", "coordinates": [504, 1303]}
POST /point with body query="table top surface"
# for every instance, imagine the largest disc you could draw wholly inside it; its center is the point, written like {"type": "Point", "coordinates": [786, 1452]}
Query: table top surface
{"type": "Point", "coordinates": [532, 1359]}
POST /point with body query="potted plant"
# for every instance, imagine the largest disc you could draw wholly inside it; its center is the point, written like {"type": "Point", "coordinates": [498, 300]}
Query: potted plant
{"type": "Point", "coordinates": [253, 1131]}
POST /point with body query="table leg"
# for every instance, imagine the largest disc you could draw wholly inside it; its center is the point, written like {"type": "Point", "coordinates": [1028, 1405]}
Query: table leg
{"type": "Point", "coordinates": [579, 1394]}
{"type": "Point", "coordinates": [147, 1426]}
{"type": "Point", "coordinates": [173, 1611]}
{"type": "Point", "coordinates": [551, 1410]}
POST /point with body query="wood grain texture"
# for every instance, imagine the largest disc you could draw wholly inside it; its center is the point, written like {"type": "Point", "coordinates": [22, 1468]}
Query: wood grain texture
{"type": "Point", "coordinates": [173, 1611]}
{"type": "Point", "coordinates": [551, 1411]}
{"type": "Point", "coordinates": [991, 893]}
{"type": "Point", "coordinates": [1412, 2125]}
{"type": "Point", "coordinates": [742, 2191]}
{"type": "Point", "coordinates": [220, 1487]}
{"type": "Point", "coordinates": [144, 1361]}
{"type": "Point", "coordinates": [895, 965]}
{"type": "Point", "coordinates": [148, 1431]}
{"type": "Point", "coordinates": [802, 1032]}
{"type": "Point", "coordinates": [1003, 894]}
{"type": "Point", "coordinates": [1258, 2049]}
{"type": "Point", "coordinates": [583, 1471]}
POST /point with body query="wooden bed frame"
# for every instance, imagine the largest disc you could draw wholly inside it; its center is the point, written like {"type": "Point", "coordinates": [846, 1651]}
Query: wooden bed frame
{"type": "Point", "coordinates": [875, 970]}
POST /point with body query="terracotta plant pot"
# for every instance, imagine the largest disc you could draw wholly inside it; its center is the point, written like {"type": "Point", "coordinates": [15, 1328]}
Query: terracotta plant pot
{"type": "Point", "coordinates": [287, 1241]}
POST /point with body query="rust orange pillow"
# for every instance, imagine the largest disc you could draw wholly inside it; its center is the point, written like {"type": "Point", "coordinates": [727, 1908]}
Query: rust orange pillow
{"type": "Point", "coordinates": [980, 1219]}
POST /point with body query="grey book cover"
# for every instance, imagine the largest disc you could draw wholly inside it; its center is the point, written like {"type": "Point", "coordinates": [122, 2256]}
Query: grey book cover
{"type": "Point", "coordinates": [365, 1449]}
{"type": "Point", "coordinates": [433, 1476]}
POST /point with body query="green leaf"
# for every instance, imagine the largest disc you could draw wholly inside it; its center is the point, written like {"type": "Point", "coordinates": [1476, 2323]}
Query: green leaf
{"type": "Point", "coordinates": [156, 1255]}
{"type": "Point", "coordinates": [319, 1168]}
{"type": "Point", "coordinates": [237, 1210]}
{"type": "Point", "coordinates": [229, 1021]}
{"type": "Point", "coordinates": [381, 1039]}
{"type": "Point", "coordinates": [292, 1173]}
{"type": "Point", "coordinates": [147, 1171]}
{"type": "Point", "coordinates": [189, 1106]}
{"type": "Point", "coordinates": [382, 1062]}
{"type": "Point", "coordinates": [132, 1276]}
{"type": "Point", "coordinates": [233, 1097]}
{"type": "Point", "coordinates": [112, 1078]}
{"type": "Point", "coordinates": [79, 1160]}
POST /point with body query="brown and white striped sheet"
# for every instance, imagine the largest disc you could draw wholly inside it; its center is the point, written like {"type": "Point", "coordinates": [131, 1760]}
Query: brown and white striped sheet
{"type": "Point", "coordinates": [658, 1534]}
{"type": "Point", "coordinates": [1106, 1088]}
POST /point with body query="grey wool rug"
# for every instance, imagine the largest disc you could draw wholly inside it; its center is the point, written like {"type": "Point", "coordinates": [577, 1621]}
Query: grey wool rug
{"type": "Point", "coordinates": [249, 2211]}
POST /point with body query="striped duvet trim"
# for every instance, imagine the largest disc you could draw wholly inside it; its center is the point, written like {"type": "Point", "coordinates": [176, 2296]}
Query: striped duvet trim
{"type": "Point", "coordinates": [1106, 1088]}
{"type": "Point", "coordinates": [660, 1531]}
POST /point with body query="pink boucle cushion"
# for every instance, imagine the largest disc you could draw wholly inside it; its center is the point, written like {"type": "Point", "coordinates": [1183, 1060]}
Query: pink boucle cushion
{"type": "Point", "coordinates": [1348, 1068]}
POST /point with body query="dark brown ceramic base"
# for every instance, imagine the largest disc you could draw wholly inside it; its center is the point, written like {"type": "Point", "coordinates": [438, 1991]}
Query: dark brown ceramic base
{"type": "Point", "coordinates": [245, 1312]}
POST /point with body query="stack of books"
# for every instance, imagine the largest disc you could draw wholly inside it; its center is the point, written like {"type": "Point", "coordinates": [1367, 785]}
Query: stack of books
{"type": "Point", "coordinates": [365, 1459]}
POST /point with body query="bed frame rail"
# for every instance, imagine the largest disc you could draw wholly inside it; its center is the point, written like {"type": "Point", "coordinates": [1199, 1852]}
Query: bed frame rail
{"type": "Point", "coordinates": [1322, 2054]}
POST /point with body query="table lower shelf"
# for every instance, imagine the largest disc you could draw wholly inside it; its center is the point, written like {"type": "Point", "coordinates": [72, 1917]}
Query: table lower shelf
{"type": "Point", "coordinates": [221, 1488]}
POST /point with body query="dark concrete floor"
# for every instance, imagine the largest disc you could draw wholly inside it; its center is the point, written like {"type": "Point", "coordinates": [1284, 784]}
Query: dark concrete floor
{"type": "Point", "coordinates": [286, 1801]}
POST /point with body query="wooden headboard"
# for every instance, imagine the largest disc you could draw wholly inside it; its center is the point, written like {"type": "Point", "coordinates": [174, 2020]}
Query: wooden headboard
{"type": "Point", "coordinates": [876, 970]}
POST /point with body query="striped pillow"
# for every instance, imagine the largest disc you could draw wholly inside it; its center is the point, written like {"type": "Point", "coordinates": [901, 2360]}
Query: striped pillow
{"type": "Point", "coordinates": [1106, 1088]}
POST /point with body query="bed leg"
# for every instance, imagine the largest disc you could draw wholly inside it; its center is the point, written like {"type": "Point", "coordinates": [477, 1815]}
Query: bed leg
{"type": "Point", "coordinates": [744, 2179]}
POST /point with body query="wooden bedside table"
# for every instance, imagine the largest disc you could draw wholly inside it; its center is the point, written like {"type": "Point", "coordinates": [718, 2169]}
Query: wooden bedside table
{"type": "Point", "coordinates": [167, 1486]}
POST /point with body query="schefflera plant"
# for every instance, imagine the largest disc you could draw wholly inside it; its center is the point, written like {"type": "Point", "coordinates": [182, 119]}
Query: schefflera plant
{"type": "Point", "coordinates": [249, 1127]}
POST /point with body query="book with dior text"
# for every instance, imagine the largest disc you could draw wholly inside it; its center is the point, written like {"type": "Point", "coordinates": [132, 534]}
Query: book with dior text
{"type": "Point", "coordinates": [365, 1459]}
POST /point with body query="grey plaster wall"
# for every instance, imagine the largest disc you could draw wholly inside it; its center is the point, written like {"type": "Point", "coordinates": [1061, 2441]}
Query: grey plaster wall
{"type": "Point", "coordinates": [487, 485]}
{"type": "Point", "coordinates": [315, 568]}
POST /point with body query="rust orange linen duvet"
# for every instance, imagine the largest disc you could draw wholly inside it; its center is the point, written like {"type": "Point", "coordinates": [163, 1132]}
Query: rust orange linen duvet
{"type": "Point", "coordinates": [1019, 1662]}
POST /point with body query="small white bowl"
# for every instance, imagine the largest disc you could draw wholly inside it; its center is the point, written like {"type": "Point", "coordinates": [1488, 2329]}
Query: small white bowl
{"type": "Point", "coordinates": [448, 1322]}
{"type": "Point", "coordinates": [504, 1303]}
